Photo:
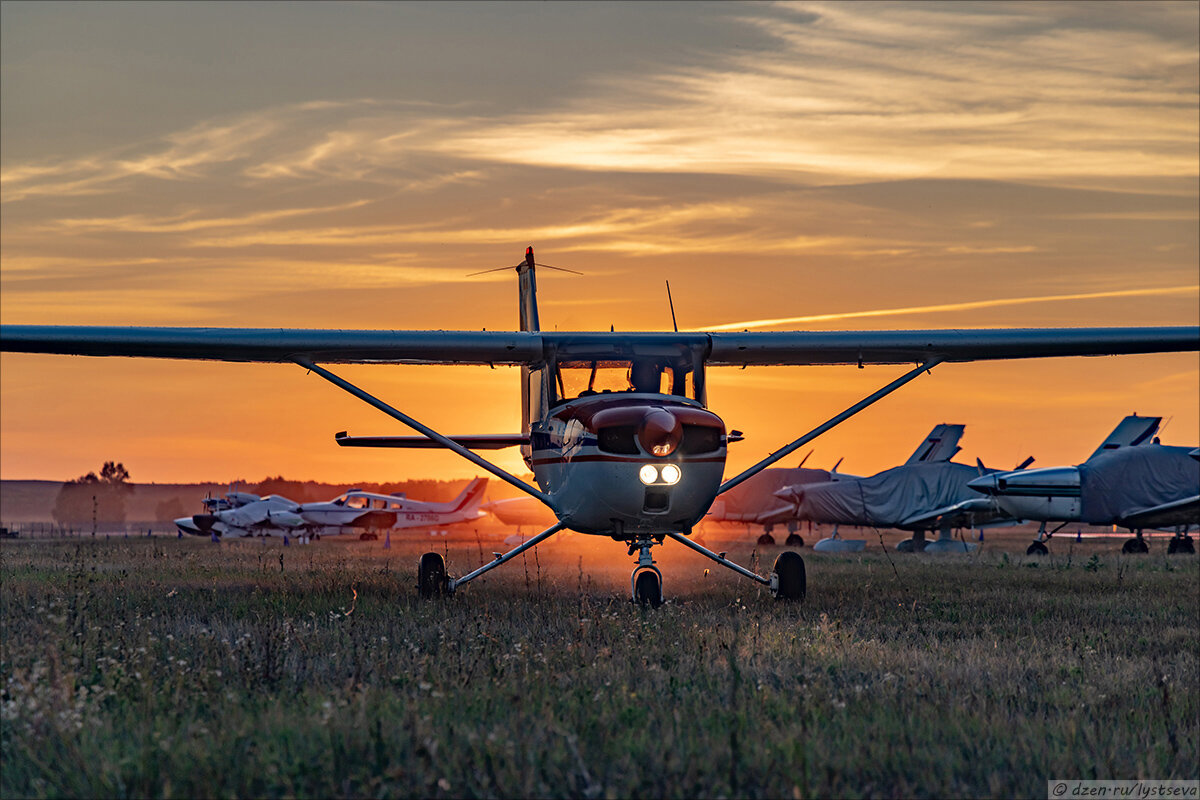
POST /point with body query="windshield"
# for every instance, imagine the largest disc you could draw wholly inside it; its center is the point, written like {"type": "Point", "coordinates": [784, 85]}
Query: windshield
{"type": "Point", "coordinates": [584, 378]}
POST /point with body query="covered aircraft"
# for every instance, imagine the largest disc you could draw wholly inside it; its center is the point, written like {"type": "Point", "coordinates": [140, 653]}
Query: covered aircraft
{"type": "Point", "coordinates": [615, 425]}
{"type": "Point", "coordinates": [929, 492]}
{"type": "Point", "coordinates": [756, 501]}
{"type": "Point", "coordinates": [1130, 481]}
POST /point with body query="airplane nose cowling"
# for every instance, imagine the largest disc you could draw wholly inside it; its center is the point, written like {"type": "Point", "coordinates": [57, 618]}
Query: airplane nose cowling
{"type": "Point", "coordinates": [985, 484]}
{"type": "Point", "coordinates": [660, 432]}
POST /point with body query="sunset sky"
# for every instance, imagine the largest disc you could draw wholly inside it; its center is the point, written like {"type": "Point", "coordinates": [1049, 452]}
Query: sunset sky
{"type": "Point", "coordinates": [815, 166]}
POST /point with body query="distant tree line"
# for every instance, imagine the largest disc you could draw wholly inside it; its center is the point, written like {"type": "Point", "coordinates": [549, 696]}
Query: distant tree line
{"type": "Point", "coordinates": [91, 496]}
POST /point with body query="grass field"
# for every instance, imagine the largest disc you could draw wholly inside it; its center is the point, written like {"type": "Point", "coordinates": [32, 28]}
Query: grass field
{"type": "Point", "coordinates": [163, 667]}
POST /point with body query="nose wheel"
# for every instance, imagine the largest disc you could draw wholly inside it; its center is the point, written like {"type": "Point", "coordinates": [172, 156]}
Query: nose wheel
{"type": "Point", "coordinates": [646, 582]}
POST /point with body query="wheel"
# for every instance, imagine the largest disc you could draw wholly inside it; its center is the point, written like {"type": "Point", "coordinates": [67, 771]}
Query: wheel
{"type": "Point", "coordinates": [647, 588]}
{"type": "Point", "coordinates": [431, 575]}
{"type": "Point", "coordinates": [1181, 544]}
{"type": "Point", "coordinates": [1037, 549]}
{"type": "Point", "coordinates": [790, 580]}
{"type": "Point", "coordinates": [1135, 545]}
{"type": "Point", "coordinates": [766, 539]}
{"type": "Point", "coordinates": [794, 540]}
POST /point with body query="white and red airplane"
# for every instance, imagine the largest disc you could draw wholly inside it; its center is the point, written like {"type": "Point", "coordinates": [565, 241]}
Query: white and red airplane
{"type": "Point", "coordinates": [615, 426]}
{"type": "Point", "coordinates": [357, 510]}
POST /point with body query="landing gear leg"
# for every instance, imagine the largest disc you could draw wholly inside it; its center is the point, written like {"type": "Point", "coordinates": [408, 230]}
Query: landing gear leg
{"type": "Point", "coordinates": [1135, 545]}
{"type": "Point", "coordinates": [1038, 547]}
{"type": "Point", "coordinates": [646, 581]}
{"type": "Point", "coordinates": [787, 581]}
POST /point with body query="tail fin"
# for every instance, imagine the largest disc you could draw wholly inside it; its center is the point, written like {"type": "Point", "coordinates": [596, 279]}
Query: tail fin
{"type": "Point", "coordinates": [940, 445]}
{"type": "Point", "coordinates": [1130, 432]}
{"type": "Point", "coordinates": [528, 293]}
{"type": "Point", "coordinates": [471, 496]}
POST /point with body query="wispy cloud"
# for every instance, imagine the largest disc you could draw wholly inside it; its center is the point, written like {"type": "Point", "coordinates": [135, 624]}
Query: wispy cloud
{"type": "Point", "coordinates": [964, 306]}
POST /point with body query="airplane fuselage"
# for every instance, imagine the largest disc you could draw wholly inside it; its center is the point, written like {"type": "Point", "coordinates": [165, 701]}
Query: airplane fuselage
{"type": "Point", "coordinates": [1042, 495]}
{"type": "Point", "coordinates": [629, 465]}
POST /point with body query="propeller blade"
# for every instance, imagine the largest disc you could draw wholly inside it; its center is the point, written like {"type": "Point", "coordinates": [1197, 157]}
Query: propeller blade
{"type": "Point", "coordinates": [1023, 464]}
{"type": "Point", "coordinates": [801, 464]}
{"type": "Point", "coordinates": [486, 271]}
{"type": "Point", "coordinates": [560, 269]}
{"type": "Point", "coordinates": [979, 466]}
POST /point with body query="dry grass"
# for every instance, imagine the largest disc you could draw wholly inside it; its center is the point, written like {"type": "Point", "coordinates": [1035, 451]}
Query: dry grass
{"type": "Point", "coordinates": [152, 667]}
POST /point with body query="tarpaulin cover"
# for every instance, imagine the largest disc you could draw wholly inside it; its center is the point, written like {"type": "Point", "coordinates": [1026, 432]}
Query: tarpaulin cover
{"type": "Point", "coordinates": [755, 498]}
{"type": "Point", "coordinates": [1120, 482]}
{"type": "Point", "coordinates": [886, 499]}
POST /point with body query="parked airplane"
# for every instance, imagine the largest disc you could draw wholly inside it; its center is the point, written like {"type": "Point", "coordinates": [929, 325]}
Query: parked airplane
{"type": "Point", "coordinates": [1131, 481]}
{"type": "Point", "coordinates": [927, 493]}
{"type": "Point", "coordinates": [357, 510]}
{"type": "Point", "coordinates": [614, 425]}
{"type": "Point", "coordinates": [520, 511]}
{"type": "Point", "coordinates": [263, 516]}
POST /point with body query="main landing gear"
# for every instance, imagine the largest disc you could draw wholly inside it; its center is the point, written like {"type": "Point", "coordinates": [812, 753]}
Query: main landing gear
{"type": "Point", "coordinates": [786, 582]}
{"type": "Point", "coordinates": [1181, 543]}
{"type": "Point", "coordinates": [1135, 545]}
{"type": "Point", "coordinates": [1038, 546]}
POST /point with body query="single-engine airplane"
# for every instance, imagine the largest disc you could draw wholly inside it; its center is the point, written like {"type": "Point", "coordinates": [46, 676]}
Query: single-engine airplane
{"type": "Point", "coordinates": [615, 425]}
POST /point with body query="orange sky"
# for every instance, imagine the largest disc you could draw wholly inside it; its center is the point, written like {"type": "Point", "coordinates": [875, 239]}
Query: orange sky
{"type": "Point", "coordinates": [820, 165]}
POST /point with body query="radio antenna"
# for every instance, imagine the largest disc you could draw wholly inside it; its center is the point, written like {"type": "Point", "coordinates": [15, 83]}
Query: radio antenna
{"type": "Point", "coordinates": [672, 304]}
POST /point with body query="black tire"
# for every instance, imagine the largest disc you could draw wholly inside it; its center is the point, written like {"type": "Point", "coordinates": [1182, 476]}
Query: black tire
{"type": "Point", "coordinates": [794, 540]}
{"type": "Point", "coordinates": [1134, 546]}
{"type": "Point", "coordinates": [1181, 545]}
{"type": "Point", "coordinates": [792, 580]}
{"type": "Point", "coordinates": [904, 546]}
{"type": "Point", "coordinates": [1037, 549]}
{"type": "Point", "coordinates": [647, 589]}
{"type": "Point", "coordinates": [767, 540]}
{"type": "Point", "coordinates": [431, 575]}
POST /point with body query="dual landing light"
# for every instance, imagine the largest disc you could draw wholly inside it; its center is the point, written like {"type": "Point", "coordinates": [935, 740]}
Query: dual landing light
{"type": "Point", "coordinates": [668, 474]}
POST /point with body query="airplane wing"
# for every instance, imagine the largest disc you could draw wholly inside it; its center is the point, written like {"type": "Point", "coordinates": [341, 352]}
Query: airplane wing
{"type": "Point", "coordinates": [526, 347]}
{"type": "Point", "coordinates": [1185, 511]}
{"type": "Point", "coordinates": [978, 512]}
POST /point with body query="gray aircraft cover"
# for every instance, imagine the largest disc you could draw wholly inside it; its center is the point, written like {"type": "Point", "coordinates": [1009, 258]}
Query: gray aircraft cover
{"type": "Point", "coordinates": [888, 498]}
{"type": "Point", "coordinates": [1119, 483]}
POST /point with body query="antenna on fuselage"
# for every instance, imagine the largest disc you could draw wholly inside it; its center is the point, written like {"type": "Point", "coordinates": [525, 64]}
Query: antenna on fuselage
{"type": "Point", "coordinates": [674, 324]}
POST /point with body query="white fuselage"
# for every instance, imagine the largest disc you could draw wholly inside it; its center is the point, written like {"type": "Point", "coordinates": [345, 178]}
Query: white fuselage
{"type": "Point", "coordinates": [1048, 494]}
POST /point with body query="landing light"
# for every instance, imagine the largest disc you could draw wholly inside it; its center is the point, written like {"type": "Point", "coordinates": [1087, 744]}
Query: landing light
{"type": "Point", "coordinates": [648, 473]}
{"type": "Point", "coordinates": [671, 474]}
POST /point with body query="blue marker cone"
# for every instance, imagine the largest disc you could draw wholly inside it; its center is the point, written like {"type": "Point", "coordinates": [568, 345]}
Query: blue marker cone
{"type": "Point", "coordinates": [216, 538]}
{"type": "Point", "coordinates": [387, 541]}
{"type": "Point", "coordinates": [285, 540]}
{"type": "Point", "coordinates": [179, 535]}
{"type": "Point", "coordinates": [1079, 534]}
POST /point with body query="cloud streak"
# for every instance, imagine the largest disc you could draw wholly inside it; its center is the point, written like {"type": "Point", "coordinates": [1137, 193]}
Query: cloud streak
{"type": "Point", "coordinates": [971, 305]}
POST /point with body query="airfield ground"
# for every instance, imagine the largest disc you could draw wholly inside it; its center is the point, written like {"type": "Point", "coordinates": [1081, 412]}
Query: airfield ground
{"type": "Point", "coordinates": [164, 667]}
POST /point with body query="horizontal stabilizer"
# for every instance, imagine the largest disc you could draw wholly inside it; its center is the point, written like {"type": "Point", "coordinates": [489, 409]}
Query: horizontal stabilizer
{"type": "Point", "coordinates": [491, 441]}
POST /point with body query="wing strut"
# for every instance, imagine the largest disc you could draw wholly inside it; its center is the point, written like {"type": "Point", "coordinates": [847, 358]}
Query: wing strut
{"type": "Point", "coordinates": [516, 551]}
{"type": "Point", "coordinates": [444, 441]}
{"type": "Point", "coordinates": [832, 422]}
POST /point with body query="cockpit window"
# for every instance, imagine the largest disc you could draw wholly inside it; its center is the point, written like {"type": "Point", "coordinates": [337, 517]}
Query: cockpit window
{"type": "Point", "coordinates": [584, 378]}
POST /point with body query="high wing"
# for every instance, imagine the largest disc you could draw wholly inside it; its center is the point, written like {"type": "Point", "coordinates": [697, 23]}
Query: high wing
{"type": "Point", "coordinates": [532, 347]}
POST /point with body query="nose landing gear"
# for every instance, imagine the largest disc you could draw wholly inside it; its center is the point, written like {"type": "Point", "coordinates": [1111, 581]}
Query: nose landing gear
{"type": "Point", "coordinates": [646, 582]}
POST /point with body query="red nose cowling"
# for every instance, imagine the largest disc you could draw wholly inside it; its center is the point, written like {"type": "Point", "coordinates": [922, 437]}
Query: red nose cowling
{"type": "Point", "coordinates": [660, 432]}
